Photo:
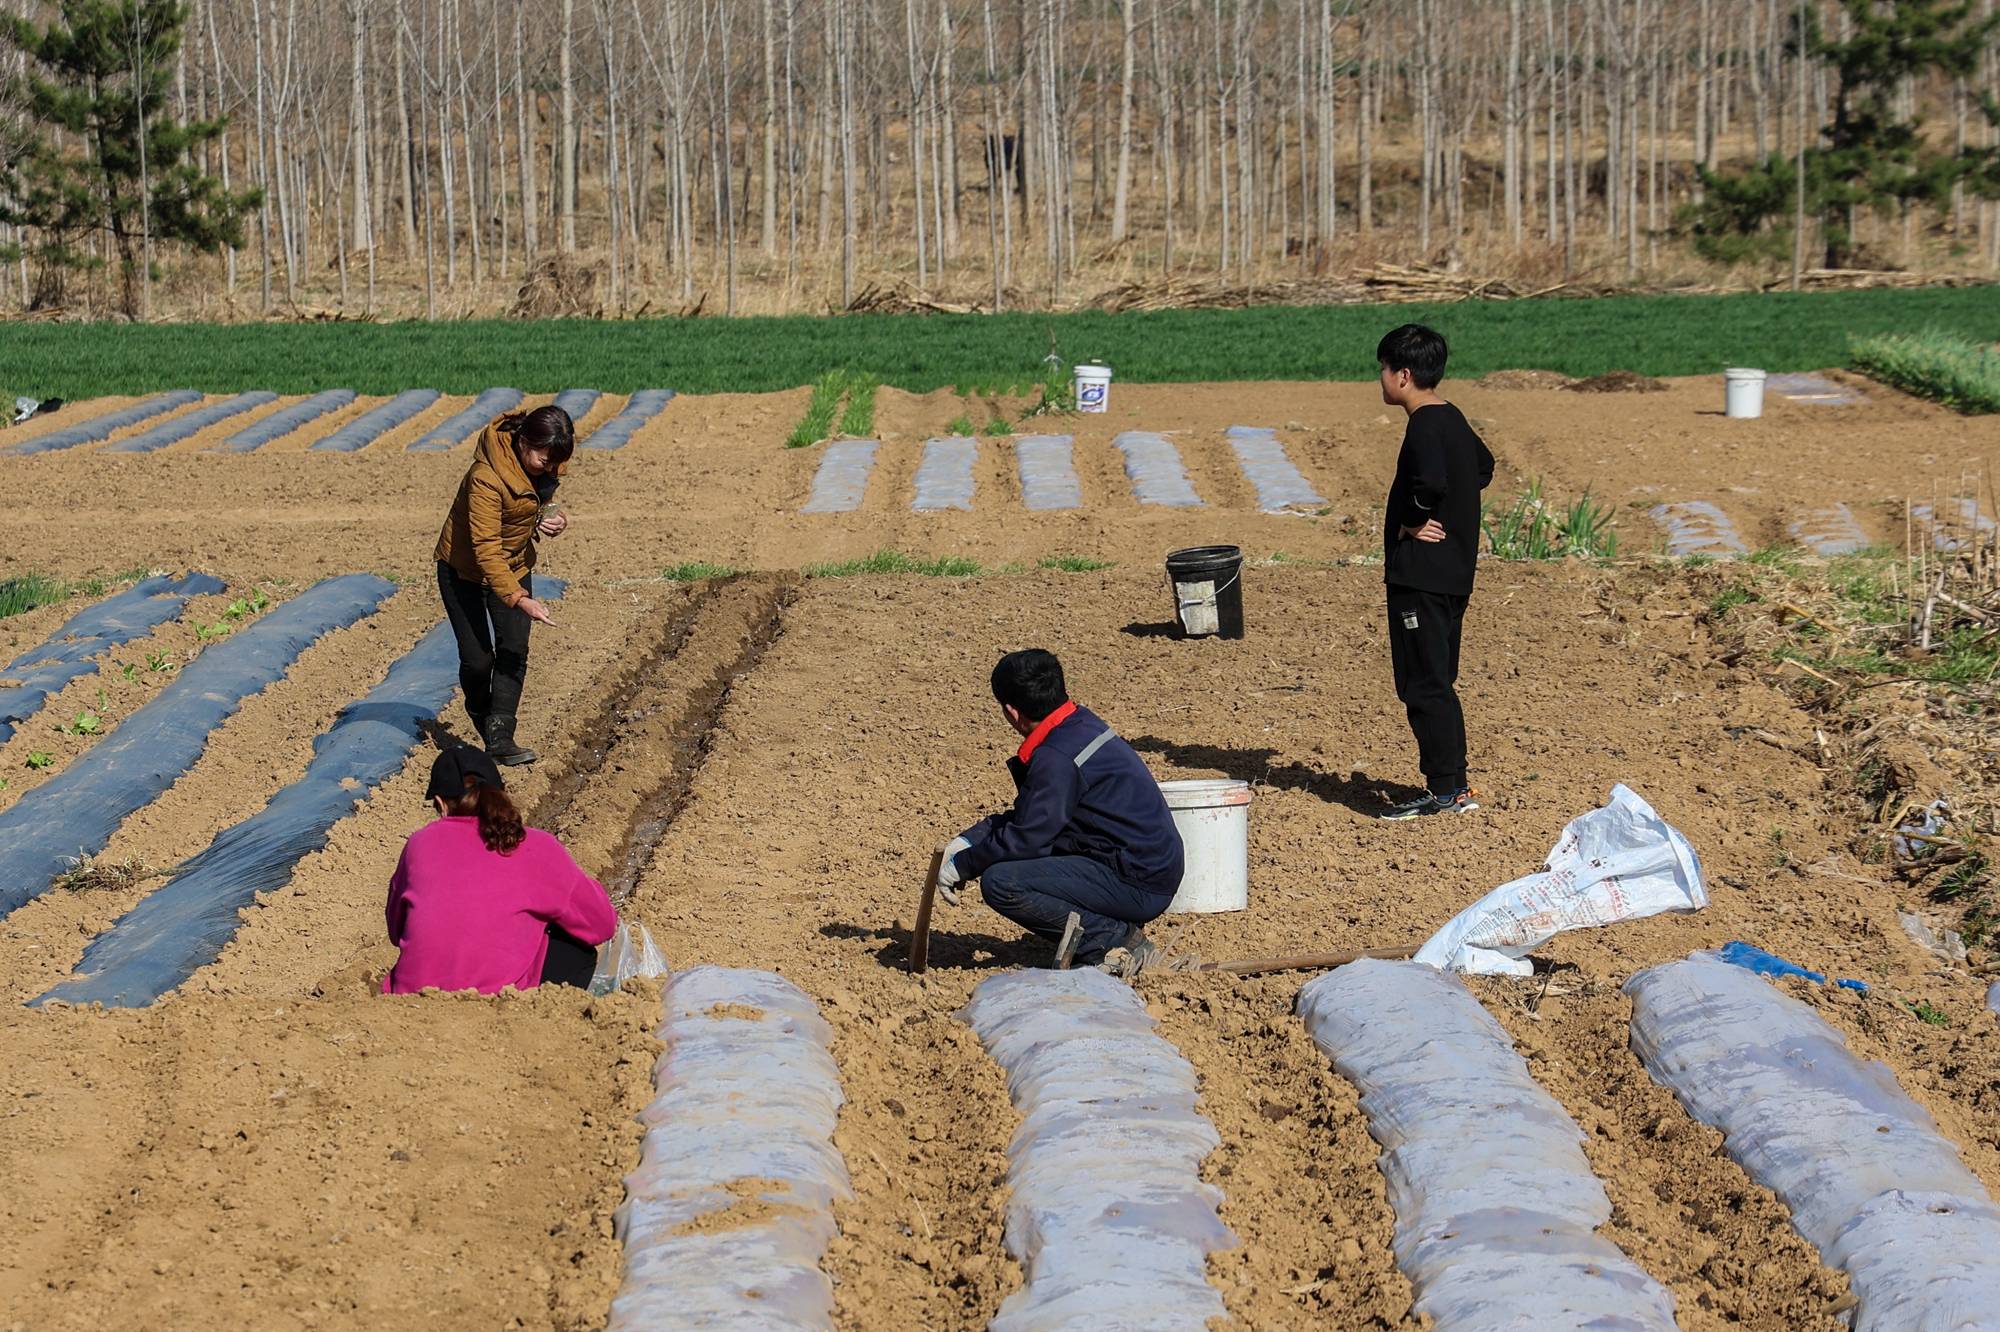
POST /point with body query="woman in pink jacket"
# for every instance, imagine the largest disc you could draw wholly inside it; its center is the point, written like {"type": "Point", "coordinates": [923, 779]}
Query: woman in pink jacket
{"type": "Point", "coordinates": [479, 902]}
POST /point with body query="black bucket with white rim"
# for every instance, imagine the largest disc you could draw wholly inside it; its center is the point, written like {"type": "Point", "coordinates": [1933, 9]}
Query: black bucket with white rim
{"type": "Point", "coordinates": [1208, 591]}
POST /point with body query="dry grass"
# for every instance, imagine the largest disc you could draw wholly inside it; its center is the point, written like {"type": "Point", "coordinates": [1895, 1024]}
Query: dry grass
{"type": "Point", "coordinates": [92, 874]}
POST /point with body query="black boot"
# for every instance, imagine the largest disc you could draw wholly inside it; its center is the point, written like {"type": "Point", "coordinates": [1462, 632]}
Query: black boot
{"type": "Point", "coordinates": [500, 746]}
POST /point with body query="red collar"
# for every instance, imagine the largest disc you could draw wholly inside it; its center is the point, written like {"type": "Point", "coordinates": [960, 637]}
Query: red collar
{"type": "Point", "coordinates": [1042, 729]}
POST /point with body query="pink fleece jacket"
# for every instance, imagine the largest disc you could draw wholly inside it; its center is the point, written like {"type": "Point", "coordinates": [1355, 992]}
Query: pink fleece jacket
{"type": "Point", "coordinates": [471, 919]}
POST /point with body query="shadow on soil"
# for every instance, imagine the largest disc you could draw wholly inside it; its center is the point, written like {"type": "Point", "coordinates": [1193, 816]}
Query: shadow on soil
{"type": "Point", "coordinates": [1358, 791]}
{"type": "Point", "coordinates": [964, 952]}
{"type": "Point", "coordinates": [1140, 629]}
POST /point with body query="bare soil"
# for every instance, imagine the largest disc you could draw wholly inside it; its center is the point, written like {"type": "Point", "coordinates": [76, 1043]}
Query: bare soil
{"type": "Point", "coordinates": [763, 766]}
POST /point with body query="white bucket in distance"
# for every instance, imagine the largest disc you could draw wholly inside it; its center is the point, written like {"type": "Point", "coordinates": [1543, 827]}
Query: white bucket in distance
{"type": "Point", "coordinates": [1745, 393]}
{"type": "Point", "coordinates": [1093, 387]}
{"type": "Point", "coordinates": [1213, 816]}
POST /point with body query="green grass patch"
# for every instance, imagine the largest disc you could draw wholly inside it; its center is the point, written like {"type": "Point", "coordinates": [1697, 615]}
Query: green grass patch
{"type": "Point", "coordinates": [998, 427]}
{"type": "Point", "coordinates": [1531, 528]}
{"type": "Point", "coordinates": [692, 571]}
{"type": "Point", "coordinates": [817, 423]}
{"type": "Point", "coordinates": [1956, 371]}
{"type": "Point", "coordinates": [29, 592]}
{"type": "Point", "coordinates": [1653, 335]}
{"type": "Point", "coordinates": [1073, 563]}
{"type": "Point", "coordinates": [895, 562]}
{"type": "Point", "coordinates": [960, 425]}
{"type": "Point", "coordinates": [858, 421]}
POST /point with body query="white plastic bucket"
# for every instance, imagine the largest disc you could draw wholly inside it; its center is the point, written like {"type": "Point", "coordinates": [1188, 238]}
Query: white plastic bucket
{"type": "Point", "coordinates": [1745, 392]}
{"type": "Point", "coordinates": [1093, 387]}
{"type": "Point", "coordinates": [1213, 816]}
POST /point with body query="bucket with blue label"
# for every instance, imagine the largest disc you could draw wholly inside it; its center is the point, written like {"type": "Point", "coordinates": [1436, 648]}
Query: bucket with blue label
{"type": "Point", "coordinates": [1093, 387]}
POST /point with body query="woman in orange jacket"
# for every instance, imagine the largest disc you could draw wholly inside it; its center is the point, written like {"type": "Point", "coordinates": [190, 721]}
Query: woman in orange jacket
{"type": "Point", "coordinates": [485, 557]}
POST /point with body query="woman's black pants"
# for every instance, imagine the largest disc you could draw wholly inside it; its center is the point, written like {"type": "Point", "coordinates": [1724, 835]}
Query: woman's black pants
{"type": "Point", "coordinates": [492, 644]}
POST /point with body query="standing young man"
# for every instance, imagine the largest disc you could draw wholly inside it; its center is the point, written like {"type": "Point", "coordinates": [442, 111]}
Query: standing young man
{"type": "Point", "coordinates": [1430, 540]}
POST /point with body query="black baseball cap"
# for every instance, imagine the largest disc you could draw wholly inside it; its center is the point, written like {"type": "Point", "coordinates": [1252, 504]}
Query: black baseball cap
{"type": "Point", "coordinates": [451, 767]}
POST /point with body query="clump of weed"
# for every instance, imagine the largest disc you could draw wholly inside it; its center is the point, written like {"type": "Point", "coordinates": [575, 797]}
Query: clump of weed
{"type": "Point", "coordinates": [998, 427]}
{"type": "Point", "coordinates": [1073, 563]}
{"type": "Point", "coordinates": [895, 562]}
{"type": "Point", "coordinates": [693, 571]}
{"type": "Point", "coordinates": [40, 759]}
{"type": "Point", "coordinates": [959, 425]}
{"type": "Point", "coordinates": [28, 592]}
{"type": "Point", "coordinates": [1530, 528]}
{"type": "Point", "coordinates": [91, 874]}
{"type": "Point", "coordinates": [1927, 1012]}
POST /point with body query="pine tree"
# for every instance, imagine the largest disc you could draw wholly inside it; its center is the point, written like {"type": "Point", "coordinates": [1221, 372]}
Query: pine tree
{"type": "Point", "coordinates": [1873, 157]}
{"type": "Point", "coordinates": [103, 159]}
{"type": "Point", "coordinates": [1870, 156]}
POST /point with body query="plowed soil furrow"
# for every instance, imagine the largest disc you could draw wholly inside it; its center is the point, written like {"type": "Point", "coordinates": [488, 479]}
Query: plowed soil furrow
{"type": "Point", "coordinates": [1680, 1207]}
{"type": "Point", "coordinates": [1297, 1168]}
{"type": "Point", "coordinates": [655, 739]}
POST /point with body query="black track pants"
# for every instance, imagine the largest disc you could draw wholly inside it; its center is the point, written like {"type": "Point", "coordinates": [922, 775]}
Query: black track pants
{"type": "Point", "coordinates": [492, 643]}
{"type": "Point", "coordinates": [1423, 648]}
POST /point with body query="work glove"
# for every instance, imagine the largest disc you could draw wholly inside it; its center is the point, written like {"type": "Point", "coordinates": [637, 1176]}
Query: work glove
{"type": "Point", "coordinates": [948, 880]}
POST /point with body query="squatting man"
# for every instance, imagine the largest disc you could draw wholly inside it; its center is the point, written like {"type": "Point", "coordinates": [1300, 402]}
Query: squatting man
{"type": "Point", "coordinates": [1089, 853]}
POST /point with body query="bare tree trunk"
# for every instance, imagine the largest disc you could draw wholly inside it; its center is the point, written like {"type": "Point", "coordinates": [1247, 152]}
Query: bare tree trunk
{"type": "Point", "coordinates": [770, 235]}
{"type": "Point", "coordinates": [1511, 113]}
{"type": "Point", "coordinates": [567, 91]}
{"type": "Point", "coordinates": [843, 76]}
{"type": "Point", "coordinates": [1121, 193]}
{"type": "Point", "coordinates": [362, 184]}
{"type": "Point", "coordinates": [1364, 199]}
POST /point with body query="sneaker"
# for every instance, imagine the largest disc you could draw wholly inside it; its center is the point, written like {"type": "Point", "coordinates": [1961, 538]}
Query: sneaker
{"type": "Point", "coordinates": [1458, 802]}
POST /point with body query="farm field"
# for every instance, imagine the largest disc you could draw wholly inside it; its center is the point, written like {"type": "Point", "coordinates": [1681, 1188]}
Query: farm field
{"type": "Point", "coordinates": [1654, 335]}
{"type": "Point", "coordinates": [760, 762]}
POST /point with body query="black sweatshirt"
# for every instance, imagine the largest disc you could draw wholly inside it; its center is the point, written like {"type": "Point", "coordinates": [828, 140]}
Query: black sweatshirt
{"type": "Point", "coordinates": [1439, 474]}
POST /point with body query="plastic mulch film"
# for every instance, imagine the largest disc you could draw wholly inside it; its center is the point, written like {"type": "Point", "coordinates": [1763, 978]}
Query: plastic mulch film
{"type": "Point", "coordinates": [189, 424]}
{"type": "Point", "coordinates": [1868, 1178]}
{"type": "Point", "coordinates": [72, 651]}
{"type": "Point", "coordinates": [456, 429]}
{"type": "Point", "coordinates": [746, 1099]}
{"type": "Point", "coordinates": [1280, 485]}
{"type": "Point", "coordinates": [285, 420]}
{"type": "Point", "coordinates": [578, 402]}
{"type": "Point", "coordinates": [1109, 1216]}
{"type": "Point", "coordinates": [184, 924]}
{"type": "Point", "coordinates": [641, 407]}
{"type": "Point", "coordinates": [1697, 527]}
{"type": "Point", "coordinates": [1047, 467]}
{"type": "Point", "coordinates": [1153, 465]}
{"type": "Point", "coordinates": [103, 427]}
{"type": "Point", "coordinates": [842, 478]}
{"type": "Point", "coordinates": [376, 422]}
{"type": "Point", "coordinates": [944, 478]}
{"type": "Point", "coordinates": [1496, 1206]}
{"type": "Point", "coordinates": [75, 812]}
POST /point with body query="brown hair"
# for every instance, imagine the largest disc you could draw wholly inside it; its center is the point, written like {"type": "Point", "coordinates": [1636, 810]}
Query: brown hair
{"type": "Point", "coordinates": [500, 824]}
{"type": "Point", "coordinates": [544, 428]}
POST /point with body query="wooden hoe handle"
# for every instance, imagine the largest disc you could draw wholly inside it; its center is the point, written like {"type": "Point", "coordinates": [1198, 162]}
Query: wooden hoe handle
{"type": "Point", "coordinates": [920, 937]}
